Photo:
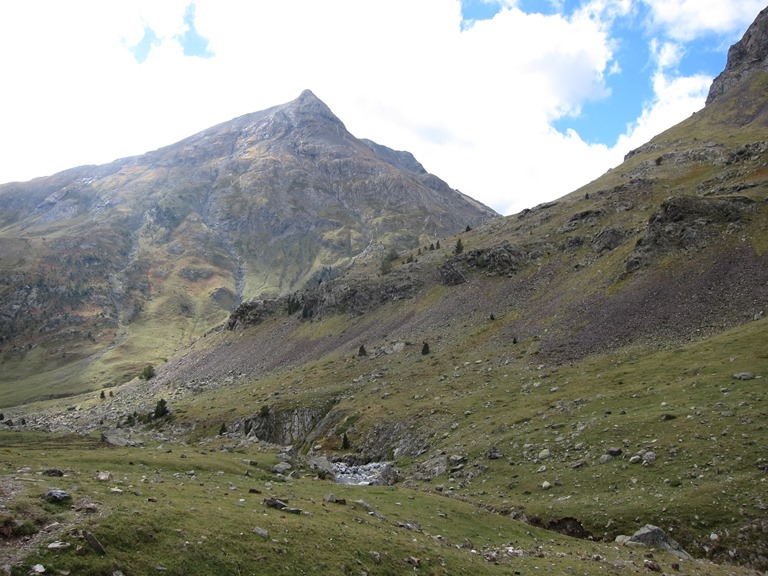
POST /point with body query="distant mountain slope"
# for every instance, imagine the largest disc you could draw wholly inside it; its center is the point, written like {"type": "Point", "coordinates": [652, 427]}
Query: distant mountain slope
{"type": "Point", "coordinates": [147, 252]}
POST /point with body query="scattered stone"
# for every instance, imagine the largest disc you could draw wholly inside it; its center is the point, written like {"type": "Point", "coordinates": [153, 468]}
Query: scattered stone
{"type": "Point", "coordinates": [104, 476]}
{"type": "Point", "coordinates": [654, 537]}
{"type": "Point", "coordinates": [281, 467]}
{"type": "Point", "coordinates": [331, 499]}
{"type": "Point", "coordinates": [254, 491]}
{"type": "Point", "coordinates": [546, 485]}
{"type": "Point", "coordinates": [614, 451]}
{"type": "Point", "coordinates": [261, 532]}
{"type": "Point", "coordinates": [578, 464]}
{"type": "Point", "coordinates": [94, 543]}
{"type": "Point", "coordinates": [412, 561]}
{"type": "Point", "coordinates": [274, 503]}
{"type": "Point", "coordinates": [58, 545]}
{"type": "Point", "coordinates": [744, 376]}
{"type": "Point", "coordinates": [605, 458]}
{"type": "Point", "coordinates": [323, 467]}
{"type": "Point", "coordinates": [53, 472]}
{"type": "Point", "coordinates": [544, 454]}
{"type": "Point", "coordinates": [494, 454]}
{"type": "Point", "coordinates": [370, 509]}
{"type": "Point", "coordinates": [250, 462]}
{"type": "Point", "coordinates": [56, 496]}
{"type": "Point", "coordinates": [651, 565]}
{"type": "Point", "coordinates": [666, 417]}
{"type": "Point", "coordinates": [38, 569]}
{"type": "Point", "coordinates": [649, 458]}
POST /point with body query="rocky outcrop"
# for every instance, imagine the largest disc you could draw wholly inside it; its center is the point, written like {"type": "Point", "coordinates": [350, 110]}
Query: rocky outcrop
{"type": "Point", "coordinates": [687, 222]}
{"type": "Point", "coordinates": [747, 56]}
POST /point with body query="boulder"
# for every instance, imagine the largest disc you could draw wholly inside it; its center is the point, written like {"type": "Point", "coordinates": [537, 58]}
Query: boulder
{"type": "Point", "coordinates": [654, 537]}
{"type": "Point", "coordinates": [57, 496]}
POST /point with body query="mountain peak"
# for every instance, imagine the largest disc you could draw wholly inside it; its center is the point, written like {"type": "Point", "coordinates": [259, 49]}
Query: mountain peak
{"type": "Point", "coordinates": [744, 58]}
{"type": "Point", "coordinates": [307, 104]}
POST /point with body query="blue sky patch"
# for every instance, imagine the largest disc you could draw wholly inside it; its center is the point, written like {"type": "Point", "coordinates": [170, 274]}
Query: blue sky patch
{"type": "Point", "coordinates": [474, 10]}
{"type": "Point", "coordinates": [141, 50]}
{"type": "Point", "coordinates": [192, 42]}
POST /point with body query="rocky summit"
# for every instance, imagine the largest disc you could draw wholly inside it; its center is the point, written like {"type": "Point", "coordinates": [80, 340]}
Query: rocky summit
{"type": "Point", "coordinates": [576, 388]}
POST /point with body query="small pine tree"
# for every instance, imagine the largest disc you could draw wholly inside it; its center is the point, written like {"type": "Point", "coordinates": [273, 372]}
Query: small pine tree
{"type": "Point", "coordinates": [468, 229]}
{"type": "Point", "coordinates": [362, 351]}
{"type": "Point", "coordinates": [425, 349]}
{"type": "Point", "coordinates": [345, 441]}
{"type": "Point", "coordinates": [437, 245]}
{"type": "Point", "coordinates": [432, 246]}
{"type": "Point", "coordinates": [223, 429]}
{"type": "Point", "coordinates": [459, 248]}
{"type": "Point", "coordinates": [102, 395]}
{"type": "Point", "coordinates": [161, 409]}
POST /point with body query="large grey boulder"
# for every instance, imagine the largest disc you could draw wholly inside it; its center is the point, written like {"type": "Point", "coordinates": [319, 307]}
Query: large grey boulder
{"type": "Point", "coordinates": [654, 537]}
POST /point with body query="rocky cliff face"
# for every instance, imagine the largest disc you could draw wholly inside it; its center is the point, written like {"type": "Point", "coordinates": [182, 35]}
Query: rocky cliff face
{"type": "Point", "coordinates": [748, 55]}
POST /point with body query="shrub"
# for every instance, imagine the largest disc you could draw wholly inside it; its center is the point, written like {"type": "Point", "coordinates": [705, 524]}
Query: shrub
{"type": "Point", "coordinates": [459, 248]}
{"type": "Point", "coordinates": [425, 349]}
{"type": "Point", "coordinates": [362, 351]}
{"type": "Point", "coordinates": [148, 372]}
{"type": "Point", "coordinates": [161, 409]}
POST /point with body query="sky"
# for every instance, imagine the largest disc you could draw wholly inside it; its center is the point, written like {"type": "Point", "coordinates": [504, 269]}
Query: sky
{"type": "Point", "coordinates": [513, 102]}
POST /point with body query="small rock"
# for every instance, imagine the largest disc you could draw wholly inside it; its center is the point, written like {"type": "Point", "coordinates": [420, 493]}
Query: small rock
{"type": "Point", "coordinates": [546, 485]}
{"type": "Point", "coordinates": [614, 451]}
{"type": "Point", "coordinates": [635, 459]}
{"type": "Point", "coordinates": [744, 376]}
{"type": "Point", "coordinates": [494, 454]}
{"type": "Point", "coordinates": [281, 467]}
{"type": "Point", "coordinates": [544, 454]}
{"type": "Point", "coordinates": [53, 472]}
{"type": "Point", "coordinates": [651, 565]}
{"type": "Point", "coordinates": [56, 496]}
{"type": "Point", "coordinates": [94, 543]}
{"type": "Point", "coordinates": [648, 458]}
{"type": "Point", "coordinates": [104, 476]}
{"type": "Point", "coordinates": [605, 458]}
{"type": "Point", "coordinates": [38, 569]}
{"type": "Point", "coordinates": [58, 545]}
{"type": "Point", "coordinates": [262, 532]}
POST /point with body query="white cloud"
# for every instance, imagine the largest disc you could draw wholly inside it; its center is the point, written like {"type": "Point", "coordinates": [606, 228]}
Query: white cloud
{"type": "Point", "coordinates": [687, 19]}
{"type": "Point", "coordinates": [474, 106]}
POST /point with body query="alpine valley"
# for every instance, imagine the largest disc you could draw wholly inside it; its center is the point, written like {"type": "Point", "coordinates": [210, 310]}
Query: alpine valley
{"type": "Point", "coordinates": [275, 348]}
